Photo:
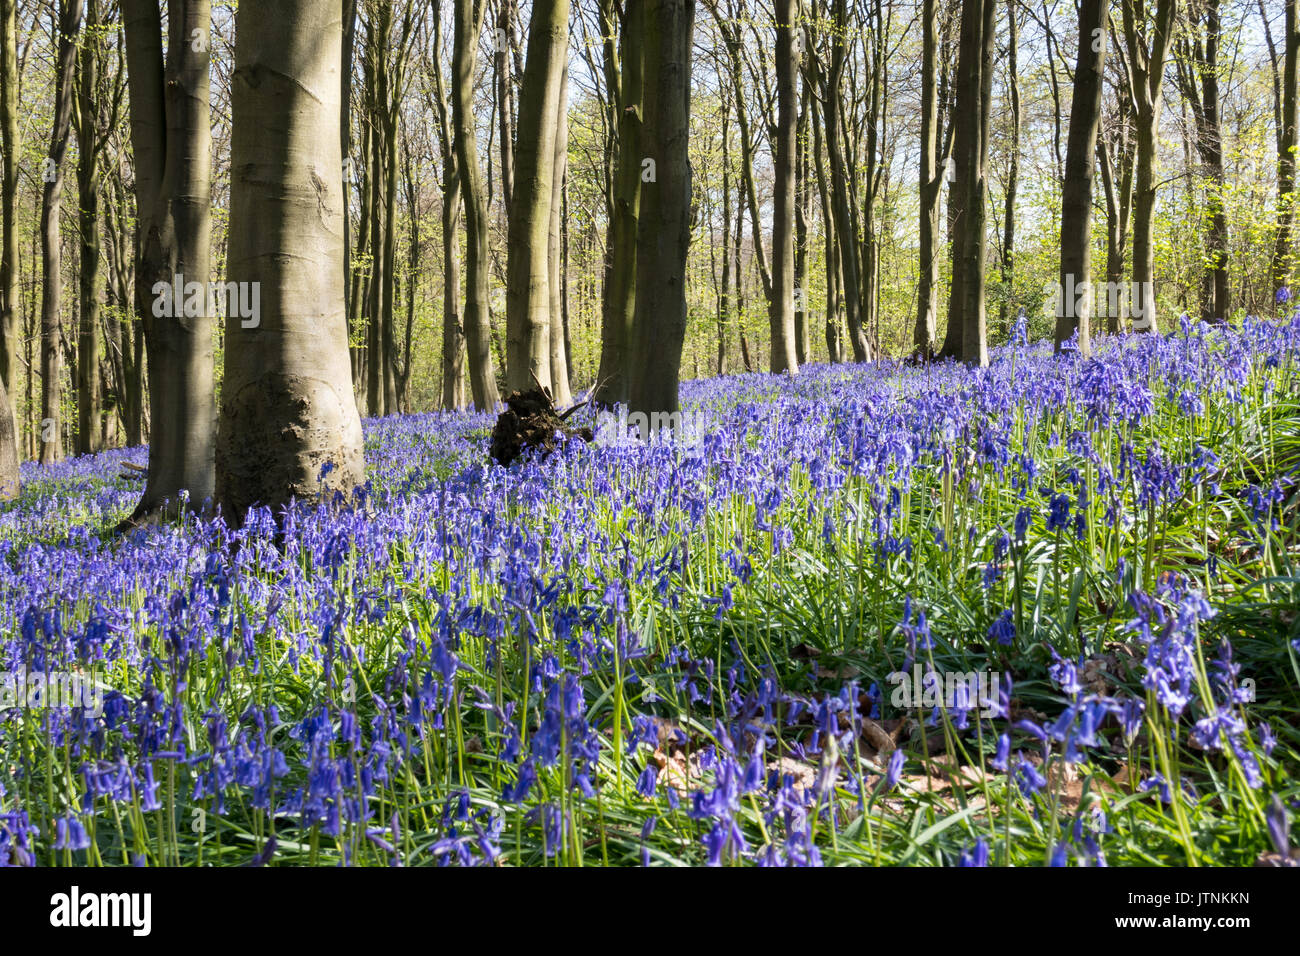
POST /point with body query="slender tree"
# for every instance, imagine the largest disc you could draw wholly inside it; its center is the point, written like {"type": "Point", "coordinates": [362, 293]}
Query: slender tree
{"type": "Point", "coordinates": [558, 339]}
{"type": "Point", "coordinates": [10, 144]}
{"type": "Point", "coordinates": [1283, 266]}
{"type": "Point", "coordinates": [846, 226]}
{"type": "Point", "coordinates": [90, 142]}
{"type": "Point", "coordinates": [1198, 81]}
{"type": "Point", "coordinates": [1147, 36]}
{"type": "Point", "coordinates": [925, 332]}
{"type": "Point", "coordinates": [1074, 311]}
{"type": "Point", "coordinates": [453, 332]}
{"type": "Point", "coordinates": [10, 477]}
{"type": "Point", "coordinates": [68, 23]}
{"type": "Point", "coordinates": [289, 426]}
{"type": "Point", "coordinates": [1115, 155]}
{"type": "Point", "coordinates": [483, 384]}
{"type": "Point", "coordinates": [1013, 167]}
{"type": "Point", "coordinates": [781, 302]}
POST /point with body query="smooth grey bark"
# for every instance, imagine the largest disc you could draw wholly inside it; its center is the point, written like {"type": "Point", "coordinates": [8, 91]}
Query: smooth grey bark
{"type": "Point", "coordinates": [478, 334]}
{"type": "Point", "coordinates": [289, 426]}
{"type": "Point", "coordinates": [171, 141]}
{"type": "Point", "coordinates": [558, 274]}
{"type": "Point", "coordinates": [664, 228]}
{"type": "Point", "coordinates": [1074, 312]}
{"type": "Point", "coordinates": [528, 296]}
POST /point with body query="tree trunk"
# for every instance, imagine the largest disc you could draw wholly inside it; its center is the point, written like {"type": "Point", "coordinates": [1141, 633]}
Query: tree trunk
{"type": "Point", "coordinates": [1212, 154]}
{"type": "Point", "coordinates": [845, 226]}
{"type": "Point", "coordinates": [68, 25]}
{"type": "Point", "coordinates": [528, 297]}
{"type": "Point", "coordinates": [1147, 64]}
{"type": "Point", "coordinates": [664, 230]}
{"type": "Point", "coordinates": [1284, 259]}
{"type": "Point", "coordinates": [502, 45]}
{"type": "Point", "coordinates": [925, 333]}
{"type": "Point", "coordinates": [1013, 170]}
{"type": "Point", "coordinates": [88, 150]}
{"type": "Point", "coordinates": [802, 201]}
{"type": "Point", "coordinates": [1074, 311]}
{"type": "Point", "coordinates": [1116, 161]}
{"type": "Point", "coordinates": [1197, 76]}
{"type": "Point", "coordinates": [289, 426]}
{"type": "Point", "coordinates": [10, 477]}
{"type": "Point", "coordinates": [560, 390]}
{"type": "Point", "coordinates": [171, 142]}
{"type": "Point", "coordinates": [781, 302]}
{"type": "Point", "coordinates": [728, 257]}
{"type": "Point", "coordinates": [478, 334]}
{"type": "Point", "coordinates": [10, 145]}
{"type": "Point", "coordinates": [967, 319]}
{"type": "Point", "coordinates": [453, 333]}
{"type": "Point", "coordinates": [618, 298]}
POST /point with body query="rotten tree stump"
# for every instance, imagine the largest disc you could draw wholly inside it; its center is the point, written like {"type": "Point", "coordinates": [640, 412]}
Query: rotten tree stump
{"type": "Point", "coordinates": [530, 424]}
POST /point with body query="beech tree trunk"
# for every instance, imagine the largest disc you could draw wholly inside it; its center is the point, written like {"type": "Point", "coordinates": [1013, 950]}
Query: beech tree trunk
{"type": "Point", "coordinates": [560, 389]}
{"type": "Point", "coordinates": [10, 144]}
{"type": "Point", "coordinates": [528, 295]}
{"type": "Point", "coordinates": [453, 332]}
{"type": "Point", "coordinates": [664, 228]}
{"type": "Point", "coordinates": [88, 151]}
{"type": "Point", "coordinates": [619, 295]}
{"type": "Point", "coordinates": [51, 424]}
{"type": "Point", "coordinates": [171, 139]}
{"type": "Point", "coordinates": [289, 426]}
{"type": "Point", "coordinates": [478, 333]}
{"type": "Point", "coordinates": [967, 318]}
{"type": "Point", "coordinates": [844, 223]}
